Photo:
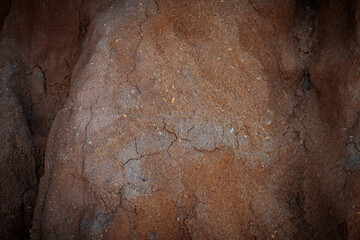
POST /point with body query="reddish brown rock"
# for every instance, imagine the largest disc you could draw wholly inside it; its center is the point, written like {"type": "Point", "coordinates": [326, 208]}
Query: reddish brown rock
{"type": "Point", "coordinates": [188, 119]}
{"type": "Point", "coordinates": [169, 123]}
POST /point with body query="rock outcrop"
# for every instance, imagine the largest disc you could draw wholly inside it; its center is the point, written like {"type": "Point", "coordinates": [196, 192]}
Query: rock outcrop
{"type": "Point", "coordinates": [180, 119]}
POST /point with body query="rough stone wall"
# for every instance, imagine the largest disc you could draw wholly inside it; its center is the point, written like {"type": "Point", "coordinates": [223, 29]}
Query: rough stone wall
{"type": "Point", "coordinates": [39, 46]}
{"type": "Point", "coordinates": [182, 119]}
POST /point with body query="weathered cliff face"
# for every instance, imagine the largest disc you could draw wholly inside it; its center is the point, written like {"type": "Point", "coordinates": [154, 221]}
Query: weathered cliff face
{"type": "Point", "coordinates": [180, 120]}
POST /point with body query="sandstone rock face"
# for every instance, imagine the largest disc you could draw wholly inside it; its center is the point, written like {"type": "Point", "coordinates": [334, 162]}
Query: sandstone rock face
{"type": "Point", "coordinates": [181, 119]}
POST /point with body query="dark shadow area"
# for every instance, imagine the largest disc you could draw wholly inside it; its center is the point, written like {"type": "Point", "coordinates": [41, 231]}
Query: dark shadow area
{"type": "Point", "coordinates": [4, 11]}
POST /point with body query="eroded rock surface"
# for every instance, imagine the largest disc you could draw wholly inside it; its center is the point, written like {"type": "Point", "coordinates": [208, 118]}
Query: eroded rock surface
{"type": "Point", "coordinates": [193, 120]}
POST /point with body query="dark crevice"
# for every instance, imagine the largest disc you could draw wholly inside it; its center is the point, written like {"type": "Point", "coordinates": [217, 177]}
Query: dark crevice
{"type": "Point", "coordinates": [44, 76]}
{"type": "Point", "coordinates": [84, 23]}
{"type": "Point", "coordinates": [157, 6]}
{"type": "Point", "coordinates": [314, 35]}
{"type": "Point", "coordinates": [4, 11]}
{"type": "Point", "coordinates": [350, 9]}
{"type": "Point", "coordinates": [306, 82]}
{"type": "Point", "coordinates": [39, 99]}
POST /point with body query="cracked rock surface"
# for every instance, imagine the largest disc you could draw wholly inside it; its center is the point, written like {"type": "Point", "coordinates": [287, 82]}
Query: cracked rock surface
{"type": "Point", "coordinates": [180, 119]}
